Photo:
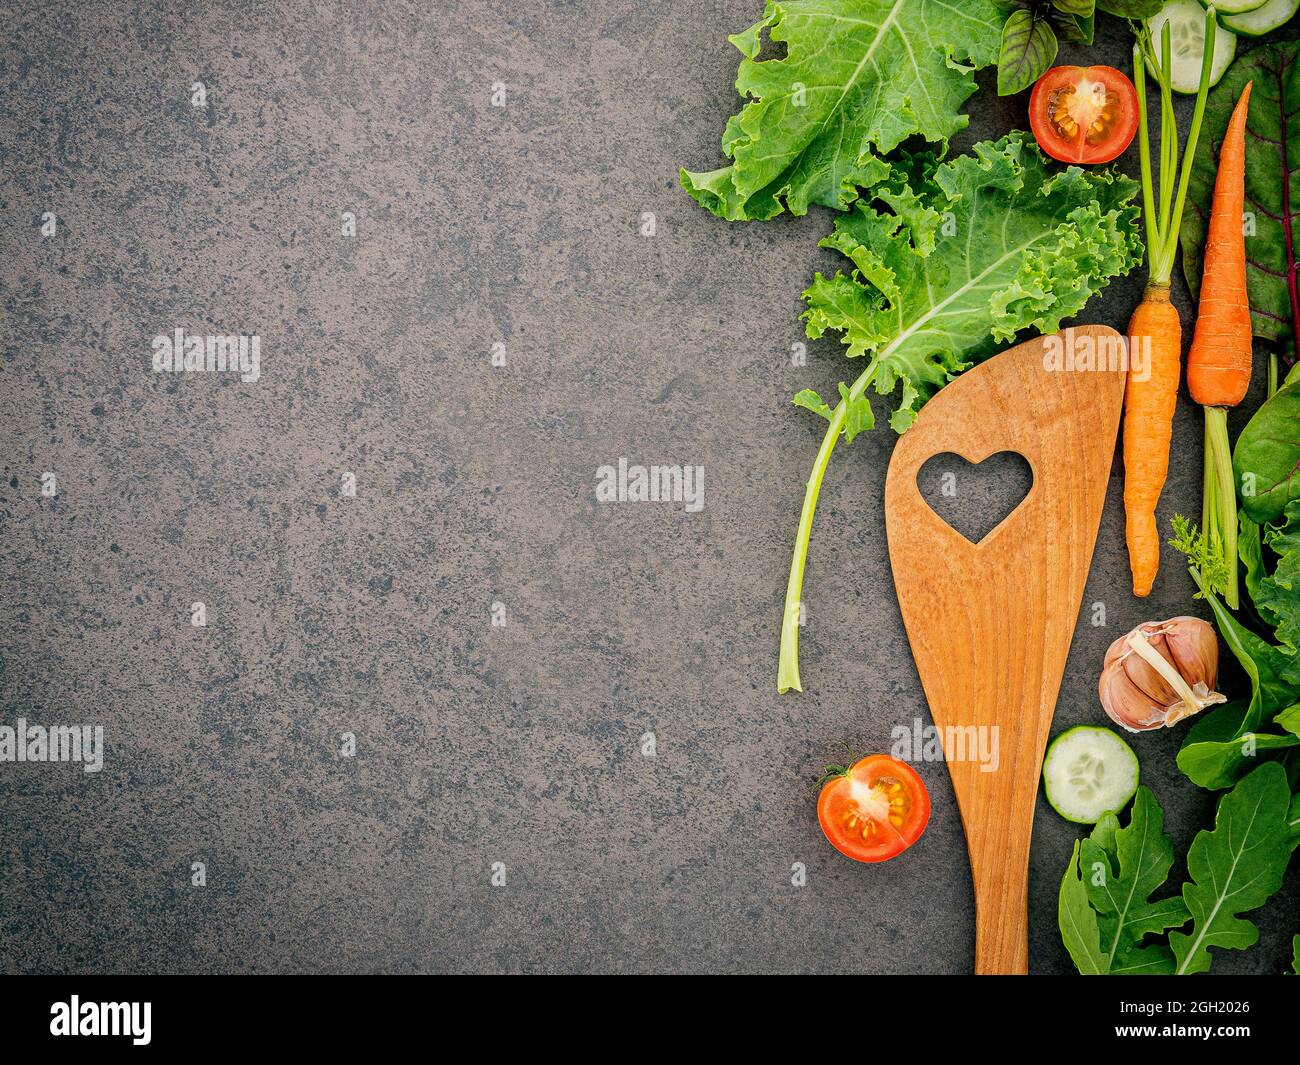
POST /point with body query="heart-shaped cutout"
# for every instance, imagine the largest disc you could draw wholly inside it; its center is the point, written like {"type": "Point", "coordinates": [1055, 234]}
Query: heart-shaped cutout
{"type": "Point", "coordinates": [974, 498]}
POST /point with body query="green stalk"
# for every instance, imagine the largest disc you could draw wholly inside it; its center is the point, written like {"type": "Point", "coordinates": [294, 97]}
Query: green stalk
{"type": "Point", "coordinates": [1221, 525]}
{"type": "Point", "coordinates": [1144, 148]}
{"type": "Point", "coordinates": [1168, 131]}
{"type": "Point", "coordinates": [1164, 214]}
{"type": "Point", "coordinates": [1208, 482]}
{"type": "Point", "coordinates": [1272, 373]}
{"type": "Point", "coordinates": [1189, 153]}
{"type": "Point", "coordinates": [787, 674]}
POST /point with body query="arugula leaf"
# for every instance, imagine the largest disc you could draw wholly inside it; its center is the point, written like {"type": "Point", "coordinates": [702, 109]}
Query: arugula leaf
{"type": "Point", "coordinates": [1119, 882]}
{"type": "Point", "coordinates": [1006, 247]}
{"type": "Point", "coordinates": [1235, 868]}
{"type": "Point", "coordinates": [1295, 955]}
{"type": "Point", "coordinates": [1078, 922]}
{"type": "Point", "coordinates": [1104, 832]}
{"type": "Point", "coordinates": [1272, 168]}
{"type": "Point", "coordinates": [858, 78]}
{"type": "Point", "coordinates": [1028, 47]}
{"type": "Point", "coordinates": [1104, 908]}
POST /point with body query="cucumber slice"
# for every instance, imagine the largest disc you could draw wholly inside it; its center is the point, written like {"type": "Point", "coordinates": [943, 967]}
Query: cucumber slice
{"type": "Point", "coordinates": [1089, 771]}
{"type": "Point", "coordinates": [1262, 20]}
{"type": "Point", "coordinates": [1234, 7]}
{"type": "Point", "coordinates": [1186, 20]}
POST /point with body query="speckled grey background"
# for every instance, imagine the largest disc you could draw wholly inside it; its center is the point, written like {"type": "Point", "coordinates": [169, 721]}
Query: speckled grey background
{"type": "Point", "coordinates": [371, 615]}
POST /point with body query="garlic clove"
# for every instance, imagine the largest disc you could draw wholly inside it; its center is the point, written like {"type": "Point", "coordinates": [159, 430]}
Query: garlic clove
{"type": "Point", "coordinates": [1194, 650]}
{"type": "Point", "coordinates": [1147, 677]}
{"type": "Point", "coordinates": [1126, 704]}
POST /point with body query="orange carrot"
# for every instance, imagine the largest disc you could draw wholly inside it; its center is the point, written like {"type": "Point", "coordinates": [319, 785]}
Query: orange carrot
{"type": "Point", "coordinates": [1155, 337]}
{"type": "Point", "coordinates": [1218, 366]}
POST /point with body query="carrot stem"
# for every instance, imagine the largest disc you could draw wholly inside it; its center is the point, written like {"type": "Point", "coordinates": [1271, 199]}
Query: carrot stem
{"type": "Point", "coordinates": [1221, 523]}
{"type": "Point", "coordinates": [1193, 135]}
{"type": "Point", "coordinates": [1168, 131]}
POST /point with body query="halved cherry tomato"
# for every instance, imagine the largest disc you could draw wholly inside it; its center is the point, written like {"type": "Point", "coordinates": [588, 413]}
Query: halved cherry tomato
{"type": "Point", "coordinates": [875, 809]}
{"type": "Point", "coordinates": [1083, 114]}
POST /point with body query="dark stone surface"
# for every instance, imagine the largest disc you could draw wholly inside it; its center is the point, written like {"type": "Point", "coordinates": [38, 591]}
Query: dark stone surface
{"type": "Point", "coordinates": [371, 615]}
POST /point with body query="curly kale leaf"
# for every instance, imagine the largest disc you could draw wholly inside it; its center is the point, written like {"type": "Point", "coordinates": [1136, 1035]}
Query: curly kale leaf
{"type": "Point", "coordinates": [951, 261]}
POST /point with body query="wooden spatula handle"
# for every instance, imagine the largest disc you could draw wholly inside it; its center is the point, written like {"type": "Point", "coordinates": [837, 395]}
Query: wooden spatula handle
{"type": "Point", "coordinates": [1002, 917]}
{"type": "Point", "coordinates": [1002, 943]}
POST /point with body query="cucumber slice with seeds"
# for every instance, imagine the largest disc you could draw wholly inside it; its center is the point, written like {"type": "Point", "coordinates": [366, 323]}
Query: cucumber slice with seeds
{"type": "Point", "coordinates": [1233, 7]}
{"type": "Point", "coordinates": [1186, 19]}
{"type": "Point", "coordinates": [1088, 772]}
{"type": "Point", "coordinates": [1262, 20]}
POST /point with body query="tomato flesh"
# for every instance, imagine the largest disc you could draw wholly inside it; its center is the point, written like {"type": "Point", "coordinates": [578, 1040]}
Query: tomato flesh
{"type": "Point", "coordinates": [874, 810]}
{"type": "Point", "coordinates": [1083, 114]}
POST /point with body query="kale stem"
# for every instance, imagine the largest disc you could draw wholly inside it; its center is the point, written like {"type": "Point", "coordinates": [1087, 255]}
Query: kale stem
{"type": "Point", "coordinates": [787, 675]}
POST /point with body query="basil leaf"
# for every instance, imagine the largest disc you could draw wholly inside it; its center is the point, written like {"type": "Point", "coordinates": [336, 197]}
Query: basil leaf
{"type": "Point", "coordinates": [1235, 868]}
{"type": "Point", "coordinates": [1028, 47]}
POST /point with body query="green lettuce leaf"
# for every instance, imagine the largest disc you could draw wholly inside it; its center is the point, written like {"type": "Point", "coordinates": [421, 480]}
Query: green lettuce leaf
{"type": "Point", "coordinates": [1272, 171]}
{"type": "Point", "coordinates": [857, 79]}
{"type": "Point", "coordinates": [965, 255]}
{"type": "Point", "coordinates": [1235, 868]}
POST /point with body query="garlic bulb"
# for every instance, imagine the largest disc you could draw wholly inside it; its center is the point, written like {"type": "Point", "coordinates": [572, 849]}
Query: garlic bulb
{"type": "Point", "coordinates": [1160, 673]}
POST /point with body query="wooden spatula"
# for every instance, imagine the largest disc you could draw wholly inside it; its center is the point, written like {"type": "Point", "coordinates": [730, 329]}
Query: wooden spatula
{"type": "Point", "coordinates": [990, 623]}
